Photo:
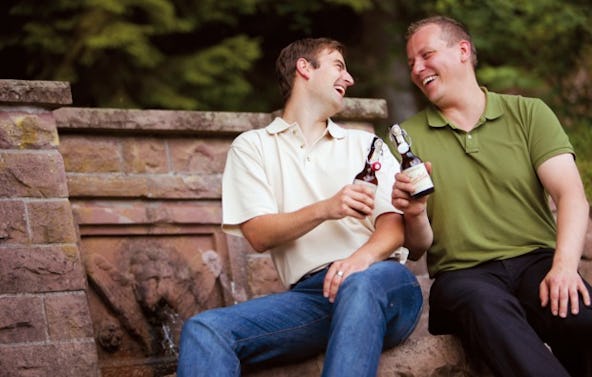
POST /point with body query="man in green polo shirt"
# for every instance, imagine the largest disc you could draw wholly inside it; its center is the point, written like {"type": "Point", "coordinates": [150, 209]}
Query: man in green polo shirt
{"type": "Point", "coordinates": [506, 273]}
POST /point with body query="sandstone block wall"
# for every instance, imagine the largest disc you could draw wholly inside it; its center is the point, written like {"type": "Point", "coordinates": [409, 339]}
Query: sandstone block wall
{"type": "Point", "coordinates": [45, 326]}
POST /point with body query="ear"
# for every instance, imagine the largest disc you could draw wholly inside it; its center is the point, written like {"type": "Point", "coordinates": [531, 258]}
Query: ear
{"type": "Point", "coordinates": [303, 68]}
{"type": "Point", "coordinates": [465, 50]}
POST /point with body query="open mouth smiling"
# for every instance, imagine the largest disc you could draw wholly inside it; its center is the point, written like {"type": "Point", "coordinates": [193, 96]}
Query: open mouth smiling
{"type": "Point", "coordinates": [428, 80]}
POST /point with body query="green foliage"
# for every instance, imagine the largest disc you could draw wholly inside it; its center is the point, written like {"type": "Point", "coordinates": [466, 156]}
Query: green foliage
{"type": "Point", "coordinates": [581, 138]}
{"type": "Point", "coordinates": [506, 78]}
{"type": "Point", "coordinates": [357, 5]}
{"type": "Point", "coordinates": [123, 53]}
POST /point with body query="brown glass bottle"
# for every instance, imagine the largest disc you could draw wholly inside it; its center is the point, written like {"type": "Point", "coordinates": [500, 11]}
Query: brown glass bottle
{"type": "Point", "coordinates": [411, 164]}
{"type": "Point", "coordinates": [367, 175]}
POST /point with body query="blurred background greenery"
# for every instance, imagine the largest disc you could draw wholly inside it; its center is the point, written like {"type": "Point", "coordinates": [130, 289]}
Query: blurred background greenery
{"type": "Point", "coordinates": [219, 55]}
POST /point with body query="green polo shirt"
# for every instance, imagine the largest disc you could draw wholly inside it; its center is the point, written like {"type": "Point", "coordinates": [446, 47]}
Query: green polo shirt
{"type": "Point", "coordinates": [488, 202]}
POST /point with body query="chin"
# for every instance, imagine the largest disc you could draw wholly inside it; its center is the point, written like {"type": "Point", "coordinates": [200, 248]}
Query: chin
{"type": "Point", "coordinates": [338, 107]}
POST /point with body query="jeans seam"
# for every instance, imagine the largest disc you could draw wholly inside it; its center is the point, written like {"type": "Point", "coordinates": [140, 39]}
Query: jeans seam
{"type": "Point", "coordinates": [418, 312]}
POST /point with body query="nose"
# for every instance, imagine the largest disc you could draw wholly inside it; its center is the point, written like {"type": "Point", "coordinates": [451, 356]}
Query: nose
{"type": "Point", "coordinates": [417, 66]}
{"type": "Point", "coordinates": [348, 78]}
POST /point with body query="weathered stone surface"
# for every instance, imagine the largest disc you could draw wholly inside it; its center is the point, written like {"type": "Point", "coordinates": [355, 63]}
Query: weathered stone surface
{"type": "Point", "coordinates": [198, 156]}
{"type": "Point", "coordinates": [121, 369]}
{"type": "Point", "coordinates": [419, 267]}
{"type": "Point", "coordinates": [363, 109]}
{"type": "Point", "coordinates": [108, 186]}
{"type": "Point", "coordinates": [68, 316]}
{"type": "Point", "coordinates": [40, 269]}
{"type": "Point", "coordinates": [21, 320]}
{"type": "Point", "coordinates": [145, 155]}
{"type": "Point", "coordinates": [91, 154]}
{"type": "Point", "coordinates": [137, 212]}
{"type": "Point", "coordinates": [51, 222]}
{"type": "Point", "coordinates": [143, 288]}
{"type": "Point", "coordinates": [19, 130]}
{"type": "Point", "coordinates": [434, 356]}
{"type": "Point", "coordinates": [151, 121]}
{"type": "Point", "coordinates": [194, 186]}
{"type": "Point", "coordinates": [50, 94]}
{"type": "Point", "coordinates": [32, 174]}
{"type": "Point", "coordinates": [75, 359]}
{"type": "Point", "coordinates": [441, 356]}
{"type": "Point", "coordinates": [160, 186]}
{"type": "Point", "coordinates": [13, 222]}
{"type": "Point", "coordinates": [263, 278]}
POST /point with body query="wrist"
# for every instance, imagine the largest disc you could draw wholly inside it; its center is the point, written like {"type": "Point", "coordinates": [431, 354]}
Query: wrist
{"type": "Point", "coordinates": [563, 261]}
{"type": "Point", "coordinates": [415, 213]}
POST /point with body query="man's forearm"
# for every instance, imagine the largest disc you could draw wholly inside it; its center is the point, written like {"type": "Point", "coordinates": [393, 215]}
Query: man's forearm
{"type": "Point", "coordinates": [572, 224]}
{"type": "Point", "coordinates": [267, 231]}
{"type": "Point", "coordinates": [418, 234]}
{"type": "Point", "coordinates": [386, 238]}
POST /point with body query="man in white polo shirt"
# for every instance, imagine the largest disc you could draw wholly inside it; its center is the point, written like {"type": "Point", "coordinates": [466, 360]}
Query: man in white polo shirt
{"type": "Point", "coordinates": [287, 188]}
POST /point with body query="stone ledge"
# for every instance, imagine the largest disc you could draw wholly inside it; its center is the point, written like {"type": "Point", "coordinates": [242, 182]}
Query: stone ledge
{"type": "Point", "coordinates": [434, 356]}
{"type": "Point", "coordinates": [49, 94]}
{"type": "Point", "coordinates": [202, 123]}
{"type": "Point", "coordinates": [170, 122]}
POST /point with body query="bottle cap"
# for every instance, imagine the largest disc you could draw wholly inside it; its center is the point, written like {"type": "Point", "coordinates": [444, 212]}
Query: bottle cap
{"type": "Point", "coordinates": [403, 147]}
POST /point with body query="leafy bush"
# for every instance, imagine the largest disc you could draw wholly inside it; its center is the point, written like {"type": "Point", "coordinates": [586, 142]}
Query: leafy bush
{"type": "Point", "coordinates": [581, 138]}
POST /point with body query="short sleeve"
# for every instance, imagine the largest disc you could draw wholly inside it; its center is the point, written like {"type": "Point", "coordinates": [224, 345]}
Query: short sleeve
{"type": "Point", "coordinates": [246, 191]}
{"type": "Point", "coordinates": [547, 138]}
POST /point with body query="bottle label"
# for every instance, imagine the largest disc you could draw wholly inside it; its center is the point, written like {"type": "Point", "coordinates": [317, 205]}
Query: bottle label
{"type": "Point", "coordinates": [420, 178]}
{"type": "Point", "coordinates": [369, 184]}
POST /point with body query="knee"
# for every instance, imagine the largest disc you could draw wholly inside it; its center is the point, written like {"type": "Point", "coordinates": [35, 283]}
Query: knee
{"type": "Point", "coordinates": [475, 302]}
{"type": "Point", "coordinates": [200, 328]}
{"type": "Point", "coordinates": [576, 326]}
{"type": "Point", "coordinates": [386, 283]}
{"type": "Point", "coordinates": [380, 278]}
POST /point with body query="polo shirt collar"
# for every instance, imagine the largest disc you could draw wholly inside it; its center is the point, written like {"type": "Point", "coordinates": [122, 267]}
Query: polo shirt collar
{"type": "Point", "coordinates": [279, 125]}
{"type": "Point", "coordinates": [493, 110]}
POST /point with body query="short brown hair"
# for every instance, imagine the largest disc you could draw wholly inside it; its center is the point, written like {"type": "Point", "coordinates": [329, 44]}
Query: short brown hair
{"type": "Point", "coordinates": [307, 48]}
{"type": "Point", "coordinates": [453, 31]}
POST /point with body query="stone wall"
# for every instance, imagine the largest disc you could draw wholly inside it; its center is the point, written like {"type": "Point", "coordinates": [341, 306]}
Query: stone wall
{"type": "Point", "coordinates": [45, 326]}
{"type": "Point", "coordinates": [110, 237]}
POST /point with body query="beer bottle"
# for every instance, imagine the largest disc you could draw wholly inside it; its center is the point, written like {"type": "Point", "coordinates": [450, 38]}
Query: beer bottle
{"type": "Point", "coordinates": [367, 175]}
{"type": "Point", "coordinates": [411, 164]}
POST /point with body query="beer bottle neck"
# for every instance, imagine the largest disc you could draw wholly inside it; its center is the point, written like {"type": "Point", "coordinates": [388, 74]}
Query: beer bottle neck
{"type": "Point", "coordinates": [403, 148]}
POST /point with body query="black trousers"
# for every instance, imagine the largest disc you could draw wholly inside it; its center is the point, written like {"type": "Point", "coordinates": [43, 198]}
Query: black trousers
{"type": "Point", "coordinates": [496, 311]}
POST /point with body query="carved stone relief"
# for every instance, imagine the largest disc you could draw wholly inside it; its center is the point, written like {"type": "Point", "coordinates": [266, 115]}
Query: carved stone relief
{"type": "Point", "coordinates": [141, 289]}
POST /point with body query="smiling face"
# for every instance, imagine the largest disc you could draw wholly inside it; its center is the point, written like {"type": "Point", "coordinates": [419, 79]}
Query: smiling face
{"type": "Point", "coordinates": [302, 56]}
{"type": "Point", "coordinates": [329, 78]}
{"type": "Point", "coordinates": [438, 64]}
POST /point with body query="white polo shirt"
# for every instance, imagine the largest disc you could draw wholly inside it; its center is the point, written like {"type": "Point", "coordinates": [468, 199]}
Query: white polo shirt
{"type": "Point", "coordinates": [271, 170]}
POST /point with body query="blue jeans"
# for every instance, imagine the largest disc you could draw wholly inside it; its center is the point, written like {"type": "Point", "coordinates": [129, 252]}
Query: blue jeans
{"type": "Point", "coordinates": [374, 309]}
